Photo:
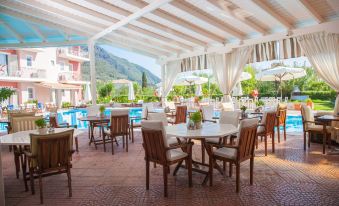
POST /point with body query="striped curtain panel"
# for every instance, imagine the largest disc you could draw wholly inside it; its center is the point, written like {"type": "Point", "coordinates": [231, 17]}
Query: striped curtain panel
{"type": "Point", "coordinates": [290, 48]}
{"type": "Point", "coordinates": [276, 50]}
{"type": "Point", "coordinates": [194, 63]}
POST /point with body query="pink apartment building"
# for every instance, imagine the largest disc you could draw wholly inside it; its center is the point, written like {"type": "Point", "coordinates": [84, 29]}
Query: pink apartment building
{"type": "Point", "coordinates": [49, 75]}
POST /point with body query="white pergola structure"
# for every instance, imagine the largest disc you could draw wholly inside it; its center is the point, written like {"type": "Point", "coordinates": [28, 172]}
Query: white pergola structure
{"type": "Point", "coordinates": [164, 29]}
{"type": "Point", "coordinates": [167, 30]}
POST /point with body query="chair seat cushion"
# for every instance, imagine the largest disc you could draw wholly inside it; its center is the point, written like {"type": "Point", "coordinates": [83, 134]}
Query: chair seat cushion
{"type": "Point", "coordinates": [176, 154]}
{"type": "Point", "coordinates": [318, 128]}
{"type": "Point", "coordinates": [260, 130]}
{"type": "Point", "coordinates": [229, 153]}
{"type": "Point", "coordinates": [172, 140]}
{"type": "Point", "coordinates": [107, 131]}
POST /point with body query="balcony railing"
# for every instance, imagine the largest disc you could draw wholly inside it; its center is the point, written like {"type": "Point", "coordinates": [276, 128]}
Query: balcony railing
{"type": "Point", "coordinates": [73, 51]}
{"type": "Point", "coordinates": [25, 73]}
{"type": "Point", "coordinates": [68, 76]}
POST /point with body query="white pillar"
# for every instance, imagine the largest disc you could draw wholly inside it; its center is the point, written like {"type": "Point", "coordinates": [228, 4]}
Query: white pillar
{"type": "Point", "coordinates": [2, 190]}
{"type": "Point", "coordinates": [163, 98]}
{"type": "Point", "coordinates": [91, 50]}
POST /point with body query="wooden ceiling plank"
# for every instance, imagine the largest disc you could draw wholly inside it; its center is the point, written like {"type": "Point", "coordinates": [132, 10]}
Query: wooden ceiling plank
{"type": "Point", "coordinates": [220, 4]}
{"type": "Point", "coordinates": [198, 13]}
{"type": "Point", "coordinates": [130, 18]}
{"type": "Point", "coordinates": [312, 11]}
{"type": "Point", "coordinates": [178, 21]}
{"type": "Point", "coordinates": [272, 13]}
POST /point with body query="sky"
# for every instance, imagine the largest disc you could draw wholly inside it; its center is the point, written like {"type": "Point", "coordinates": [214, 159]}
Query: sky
{"type": "Point", "coordinates": [144, 61]}
{"type": "Point", "coordinates": [150, 63]}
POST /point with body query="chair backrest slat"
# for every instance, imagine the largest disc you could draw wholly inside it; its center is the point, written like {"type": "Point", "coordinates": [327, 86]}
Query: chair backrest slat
{"type": "Point", "coordinates": [270, 118]}
{"type": "Point", "coordinates": [154, 146]}
{"type": "Point", "coordinates": [119, 125]}
{"type": "Point", "coordinates": [181, 114]}
{"type": "Point", "coordinates": [24, 123]}
{"type": "Point", "coordinates": [52, 151]}
{"type": "Point", "coordinates": [247, 136]}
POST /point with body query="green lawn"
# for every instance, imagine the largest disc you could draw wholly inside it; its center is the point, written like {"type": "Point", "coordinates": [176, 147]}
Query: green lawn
{"type": "Point", "coordinates": [323, 105]}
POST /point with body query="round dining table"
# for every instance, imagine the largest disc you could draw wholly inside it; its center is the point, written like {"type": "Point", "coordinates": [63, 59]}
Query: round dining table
{"type": "Point", "coordinates": [208, 130]}
{"type": "Point", "coordinates": [23, 139]}
{"type": "Point", "coordinates": [93, 121]}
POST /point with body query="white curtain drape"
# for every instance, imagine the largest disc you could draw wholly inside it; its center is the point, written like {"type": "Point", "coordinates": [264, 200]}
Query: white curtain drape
{"type": "Point", "coordinates": [322, 50]}
{"type": "Point", "coordinates": [168, 74]}
{"type": "Point", "coordinates": [227, 68]}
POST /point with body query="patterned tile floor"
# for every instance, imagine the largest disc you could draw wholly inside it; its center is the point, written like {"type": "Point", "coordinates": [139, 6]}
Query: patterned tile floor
{"type": "Point", "coordinates": [288, 177]}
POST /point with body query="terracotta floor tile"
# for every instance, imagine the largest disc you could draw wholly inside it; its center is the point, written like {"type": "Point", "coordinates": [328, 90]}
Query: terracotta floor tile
{"type": "Point", "coordinates": [291, 176]}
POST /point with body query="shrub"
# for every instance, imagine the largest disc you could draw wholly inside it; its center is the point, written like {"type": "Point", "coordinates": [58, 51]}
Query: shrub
{"type": "Point", "coordinates": [66, 105]}
{"type": "Point", "coordinates": [323, 95]}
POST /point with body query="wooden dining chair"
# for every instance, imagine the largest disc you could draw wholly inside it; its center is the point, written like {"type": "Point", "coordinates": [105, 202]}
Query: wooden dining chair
{"type": "Point", "coordinates": [119, 126]}
{"type": "Point", "coordinates": [53, 121]}
{"type": "Point", "coordinates": [281, 120]}
{"type": "Point", "coordinates": [310, 127]}
{"type": "Point", "coordinates": [21, 123]}
{"type": "Point", "coordinates": [157, 150]}
{"type": "Point", "coordinates": [236, 154]}
{"type": "Point", "coordinates": [180, 115]}
{"type": "Point", "coordinates": [266, 128]}
{"type": "Point", "coordinates": [135, 122]}
{"type": "Point", "coordinates": [50, 154]}
{"type": "Point", "coordinates": [208, 113]}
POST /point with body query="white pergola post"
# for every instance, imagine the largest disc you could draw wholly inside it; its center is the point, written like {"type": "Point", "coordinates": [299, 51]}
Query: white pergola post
{"type": "Point", "coordinates": [163, 98]}
{"type": "Point", "coordinates": [91, 51]}
{"type": "Point", "coordinates": [2, 191]}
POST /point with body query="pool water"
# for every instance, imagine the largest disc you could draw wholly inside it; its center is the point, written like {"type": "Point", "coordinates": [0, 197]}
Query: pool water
{"type": "Point", "coordinates": [71, 116]}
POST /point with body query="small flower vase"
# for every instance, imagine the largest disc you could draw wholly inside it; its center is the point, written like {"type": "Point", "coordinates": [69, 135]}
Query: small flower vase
{"type": "Point", "coordinates": [43, 130]}
{"type": "Point", "coordinates": [243, 114]}
{"type": "Point", "coordinates": [102, 115]}
{"type": "Point", "coordinates": [198, 125]}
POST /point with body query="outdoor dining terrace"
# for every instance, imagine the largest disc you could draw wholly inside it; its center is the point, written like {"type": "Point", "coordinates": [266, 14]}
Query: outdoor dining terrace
{"type": "Point", "coordinates": [290, 176]}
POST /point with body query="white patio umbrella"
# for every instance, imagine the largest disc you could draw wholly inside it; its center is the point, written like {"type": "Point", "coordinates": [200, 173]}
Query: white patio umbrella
{"type": "Point", "coordinates": [131, 95]}
{"type": "Point", "coordinates": [198, 91]}
{"type": "Point", "coordinates": [280, 73]}
{"type": "Point", "coordinates": [190, 80]}
{"type": "Point", "coordinates": [87, 93]}
{"type": "Point", "coordinates": [245, 76]}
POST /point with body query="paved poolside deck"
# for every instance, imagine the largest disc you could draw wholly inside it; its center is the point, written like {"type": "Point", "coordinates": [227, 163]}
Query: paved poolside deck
{"type": "Point", "coordinates": [288, 177]}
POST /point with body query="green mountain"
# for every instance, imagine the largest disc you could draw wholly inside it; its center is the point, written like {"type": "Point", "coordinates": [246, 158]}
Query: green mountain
{"type": "Point", "coordinates": [109, 67]}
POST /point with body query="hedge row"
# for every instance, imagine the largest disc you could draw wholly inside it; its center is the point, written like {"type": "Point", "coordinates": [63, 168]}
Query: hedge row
{"type": "Point", "coordinates": [322, 95]}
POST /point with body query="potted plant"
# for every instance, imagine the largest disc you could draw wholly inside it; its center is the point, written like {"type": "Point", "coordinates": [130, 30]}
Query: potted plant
{"type": "Point", "coordinates": [195, 120]}
{"type": "Point", "coordinates": [259, 105]}
{"type": "Point", "coordinates": [41, 124]}
{"type": "Point", "coordinates": [297, 104]}
{"type": "Point", "coordinates": [243, 110]}
{"type": "Point", "coordinates": [309, 103]}
{"type": "Point", "coordinates": [102, 110]}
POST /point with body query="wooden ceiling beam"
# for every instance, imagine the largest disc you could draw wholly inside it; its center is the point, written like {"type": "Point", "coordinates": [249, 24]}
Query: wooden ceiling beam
{"type": "Point", "coordinates": [148, 42]}
{"type": "Point", "coordinates": [134, 16]}
{"type": "Point", "coordinates": [312, 11]}
{"type": "Point", "coordinates": [203, 16]}
{"type": "Point", "coordinates": [12, 31]}
{"type": "Point", "coordinates": [178, 21]}
{"type": "Point", "coordinates": [220, 4]}
{"type": "Point", "coordinates": [113, 13]}
{"type": "Point", "coordinates": [273, 13]}
{"type": "Point", "coordinates": [37, 32]}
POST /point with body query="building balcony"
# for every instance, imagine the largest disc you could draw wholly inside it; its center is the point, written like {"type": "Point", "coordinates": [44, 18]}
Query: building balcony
{"type": "Point", "coordinates": [23, 75]}
{"type": "Point", "coordinates": [70, 78]}
{"type": "Point", "coordinates": [73, 53]}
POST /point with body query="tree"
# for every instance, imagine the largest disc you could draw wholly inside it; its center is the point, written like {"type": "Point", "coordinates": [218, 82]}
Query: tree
{"type": "Point", "coordinates": [106, 90]}
{"type": "Point", "coordinates": [5, 93]}
{"type": "Point", "coordinates": [144, 80]}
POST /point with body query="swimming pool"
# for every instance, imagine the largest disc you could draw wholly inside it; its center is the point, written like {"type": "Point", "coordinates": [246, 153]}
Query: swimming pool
{"type": "Point", "coordinates": [71, 116]}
